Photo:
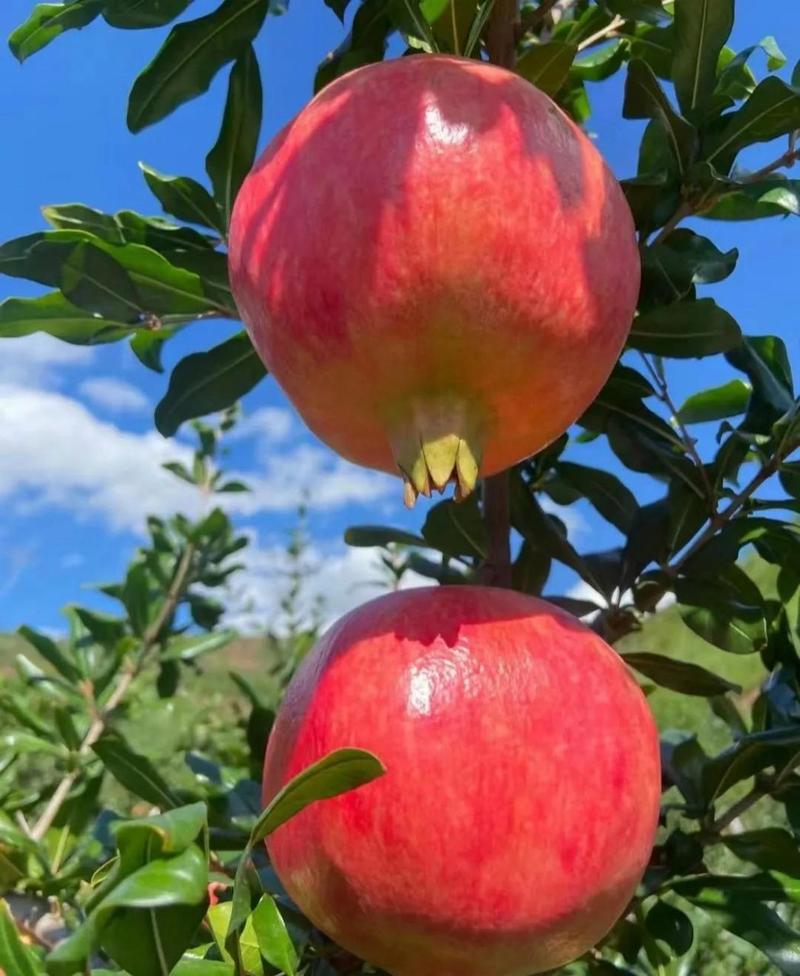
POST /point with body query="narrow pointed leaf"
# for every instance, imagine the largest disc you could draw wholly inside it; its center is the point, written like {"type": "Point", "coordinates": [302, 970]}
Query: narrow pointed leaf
{"type": "Point", "coordinates": [190, 58]}
{"type": "Point", "coordinates": [701, 29]}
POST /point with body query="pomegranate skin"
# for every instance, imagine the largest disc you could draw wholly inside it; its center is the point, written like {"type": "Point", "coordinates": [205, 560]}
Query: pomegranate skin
{"type": "Point", "coordinates": [433, 254]}
{"type": "Point", "coordinates": [521, 797]}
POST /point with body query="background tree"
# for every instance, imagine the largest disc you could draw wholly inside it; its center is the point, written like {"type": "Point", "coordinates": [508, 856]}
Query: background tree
{"type": "Point", "coordinates": [720, 540]}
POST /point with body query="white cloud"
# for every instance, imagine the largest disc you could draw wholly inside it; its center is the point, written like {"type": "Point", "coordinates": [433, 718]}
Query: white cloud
{"type": "Point", "coordinates": [114, 395]}
{"type": "Point", "coordinates": [271, 424]}
{"type": "Point", "coordinates": [39, 359]}
{"type": "Point", "coordinates": [54, 451]}
{"type": "Point", "coordinates": [343, 577]}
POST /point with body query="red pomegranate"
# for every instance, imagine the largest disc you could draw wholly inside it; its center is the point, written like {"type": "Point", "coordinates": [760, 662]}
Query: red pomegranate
{"type": "Point", "coordinates": [521, 796]}
{"type": "Point", "coordinates": [437, 266]}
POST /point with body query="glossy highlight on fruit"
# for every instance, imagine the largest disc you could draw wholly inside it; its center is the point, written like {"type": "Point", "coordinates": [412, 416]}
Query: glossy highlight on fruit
{"type": "Point", "coordinates": [520, 801]}
{"type": "Point", "coordinates": [437, 267]}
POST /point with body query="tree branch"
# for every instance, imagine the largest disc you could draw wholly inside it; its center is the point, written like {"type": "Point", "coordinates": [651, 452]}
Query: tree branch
{"type": "Point", "coordinates": [603, 34]}
{"type": "Point", "coordinates": [496, 570]}
{"type": "Point", "coordinates": [662, 391]}
{"type": "Point", "coordinates": [501, 33]}
{"type": "Point", "coordinates": [149, 640]}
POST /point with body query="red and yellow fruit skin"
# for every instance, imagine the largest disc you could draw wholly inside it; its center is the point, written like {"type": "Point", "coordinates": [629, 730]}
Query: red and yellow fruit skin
{"type": "Point", "coordinates": [430, 236]}
{"type": "Point", "coordinates": [521, 797]}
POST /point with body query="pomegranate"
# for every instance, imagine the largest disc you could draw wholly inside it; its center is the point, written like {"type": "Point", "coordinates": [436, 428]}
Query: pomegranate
{"type": "Point", "coordinates": [437, 266]}
{"type": "Point", "coordinates": [521, 796]}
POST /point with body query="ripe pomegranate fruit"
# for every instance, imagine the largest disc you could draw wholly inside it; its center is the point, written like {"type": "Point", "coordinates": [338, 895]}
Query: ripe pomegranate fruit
{"type": "Point", "coordinates": [521, 796]}
{"type": "Point", "coordinates": [437, 266]}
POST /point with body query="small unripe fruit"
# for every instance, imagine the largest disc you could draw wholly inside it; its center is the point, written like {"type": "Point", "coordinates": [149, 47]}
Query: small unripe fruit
{"type": "Point", "coordinates": [437, 266]}
{"type": "Point", "coordinates": [520, 800]}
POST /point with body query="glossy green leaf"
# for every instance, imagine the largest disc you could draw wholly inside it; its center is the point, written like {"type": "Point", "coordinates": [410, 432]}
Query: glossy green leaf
{"type": "Point", "coordinates": [764, 361]}
{"type": "Point", "coordinates": [206, 382]}
{"type": "Point", "coordinates": [56, 316]}
{"type": "Point", "coordinates": [547, 65]}
{"type": "Point", "coordinates": [685, 330]}
{"type": "Point", "coordinates": [722, 615]}
{"type": "Point", "coordinates": [365, 44]}
{"type": "Point", "coordinates": [93, 280]}
{"type": "Point", "coordinates": [645, 99]}
{"type": "Point", "coordinates": [749, 755]}
{"type": "Point", "coordinates": [774, 197]}
{"type": "Point", "coordinates": [701, 29]}
{"type": "Point", "coordinates": [771, 111]}
{"type": "Point", "coordinates": [138, 14]}
{"type": "Point", "coordinates": [600, 64]}
{"type": "Point", "coordinates": [756, 924]}
{"type": "Point", "coordinates": [717, 403]}
{"type": "Point", "coordinates": [338, 772]}
{"type": "Point", "coordinates": [234, 151]}
{"type": "Point", "coordinates": [274, 940]}
{"type": "Point", "coordinates": [47, 21]}
{"type": "Point", "coordinates": [456, 529]}
{"type": "Point", "coordinates": [15, 957]}
{"type": "Point", "coordinates": [380, 535]}
{"type": "Point", "coordinates": [135, 772]}
{"type": "Point", "coordinates": [647, 11]}
{"type": "Point", "coordinates": [190, 58]}
{"type": "Point", "coordinates": [203, 967]}
{"type": "Point", "coordinates": [684, 259]}
{"type": "Point", "coordinates": [184, 198]}
{"type": "Point", "coordinates": [670, 925]}
{"type": "Point", "coordinates": [680, 676]}
{"type": "Point", "coordinates": [604, 491]}
{"type": "Point", "coordinates": [534, 524]}
{"type": "Point", "coordinates": [770, 848]}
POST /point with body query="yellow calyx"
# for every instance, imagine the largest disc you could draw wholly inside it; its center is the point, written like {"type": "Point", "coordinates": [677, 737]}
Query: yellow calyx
{"type": "Point", "coordinates": [436, 440]}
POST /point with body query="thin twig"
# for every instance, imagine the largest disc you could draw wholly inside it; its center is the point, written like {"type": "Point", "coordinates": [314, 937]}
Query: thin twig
{"type": "Point", "coordinates": [601, 35]}
{"type": "Point", "coordinates": [787, 159]}
{"type": "Point", "coordinates": [662, 391]}
{"type": "Point", "coordinates": [149, 640]}
{"type": "Point", "coordinates": [684, 210]}
{"type": "Point", "coordinates": [533, 20]}
{"type": "Point", "coordinates": [737, 809]}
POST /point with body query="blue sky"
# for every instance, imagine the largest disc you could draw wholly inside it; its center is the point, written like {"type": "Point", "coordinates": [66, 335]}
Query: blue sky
{"type": "Point", "coordinates": [79, 458]}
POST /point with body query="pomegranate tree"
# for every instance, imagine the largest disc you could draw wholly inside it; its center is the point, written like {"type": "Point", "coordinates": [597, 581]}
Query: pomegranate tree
{"type": "Point", "coordinates": [437, 266]}
{"type": "Point", "coordinates": [517, 814]}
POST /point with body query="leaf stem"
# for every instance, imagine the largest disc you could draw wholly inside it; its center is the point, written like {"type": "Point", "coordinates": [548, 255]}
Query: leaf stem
{"type": "Point", "coordinates": [149, 640]}
{"type": "Point", "coordinates": [601, 35]}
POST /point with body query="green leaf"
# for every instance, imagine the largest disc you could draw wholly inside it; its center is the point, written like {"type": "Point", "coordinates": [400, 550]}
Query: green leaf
{"type": "Point", "coordinates": [771, 849]}
{"type": "Point", "coordinates": [51, 652]}
{"type": "Point", "coordinates": [764, 361]}
{"type": "Point", "coordinates": [721, 614]}
{"type": "Point", "coordinates": [685, 330]}
{"type": "Point", "coordinates": [701, 29]}
{"type": "Point", "coordinates": [380, 535]}
{"type": "Point", "coordinates": [670, 925]}
{"type": "Point", "coordinates": [184, 198]}
{"type": "Point", "coordinates": [771, 111]}
{"type": "Point", "coordinates": [338, 772]}
{"type": "Point", "coordinates": [190, 58]}
{"type": "Point", "coordinates": [365, 44]}
{"type": "Point", "coordinates": [671, 268]}
{"type": "Point", "coordinates": [773, 197]}
{"type": "Point", "coordinates": [532, 522]}
{"type": "Point", "coordinates": [547, 65]}
{"type": "Point", "coordinates": [600, 64]}
{"type": "Point", "coordinates": [137, 598]}
{"type": "Point", "coordinates": [680, 676]}
{"type": "Point", "coordinates": [136, 773]}
{"type": "Point", "coordinates": [645, 99]}
{"type": "Point", "coordinates": [456, 529]}
{"type": "Point", "coordinates": [56, 316]}
{"type": "Point", "coordinates": [138, 14]}
{"type": "Point", "coordinates": [789, 476]}
{"type": "Point", "coordinates": [604, 491]}
{"type": "Point", "coordinates": [274, 941]}
{"type": "Point", "coordinates": [717, 403]}
{"type": "Point", "coordinates": [649, 11]}
{"type": "Point", "coordinates": [202, 967]}
{"type": "Point", "coordinates": [19, 743]}
{"type": "Point", "coordinates": [190, 648]}
{"type": "Point", "coordinates": [47, 21]}
{"type": "Point", "coordinates": [233, 153]}
{"type": "Point", "coordinates": [476, 27]}
{"type": "Point", "coordinates": [15, 957]}
{"type": "Point", "coordinates": [206, 382]}
{"type": "Point", "coordinates": [93, 280]}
